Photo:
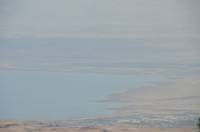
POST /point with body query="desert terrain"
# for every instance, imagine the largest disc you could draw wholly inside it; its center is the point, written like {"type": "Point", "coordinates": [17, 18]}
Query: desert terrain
{"type": "Point", "coordinates": [12, 126]}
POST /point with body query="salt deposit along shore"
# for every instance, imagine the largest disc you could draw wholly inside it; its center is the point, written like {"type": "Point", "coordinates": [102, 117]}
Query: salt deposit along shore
{"type": "Point", "coordinates": [40, 126]}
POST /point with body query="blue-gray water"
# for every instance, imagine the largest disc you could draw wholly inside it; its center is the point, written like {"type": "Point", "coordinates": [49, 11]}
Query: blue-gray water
{"type": "Point", "coordinates": [61, 95]}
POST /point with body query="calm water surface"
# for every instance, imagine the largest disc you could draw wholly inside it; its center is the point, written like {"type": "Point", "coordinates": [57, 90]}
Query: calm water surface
{"type": "Point", "coordinates": [60, 95]}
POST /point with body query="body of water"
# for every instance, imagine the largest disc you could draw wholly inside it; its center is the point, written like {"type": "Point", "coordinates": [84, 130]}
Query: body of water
{"type": "Point", "coordinates": [61, 95]}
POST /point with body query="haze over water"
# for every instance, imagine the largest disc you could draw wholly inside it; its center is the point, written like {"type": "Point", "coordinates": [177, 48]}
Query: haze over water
{"type": "Point", "coordinates": [70, 59]}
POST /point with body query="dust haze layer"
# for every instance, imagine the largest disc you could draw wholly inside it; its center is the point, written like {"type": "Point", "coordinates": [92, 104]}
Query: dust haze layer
{"type": "Point", "coordinates": [131, 37]}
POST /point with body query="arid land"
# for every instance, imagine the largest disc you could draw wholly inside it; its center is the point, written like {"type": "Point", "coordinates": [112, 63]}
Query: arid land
{"type": "Point", "coordinates": [40, 126]}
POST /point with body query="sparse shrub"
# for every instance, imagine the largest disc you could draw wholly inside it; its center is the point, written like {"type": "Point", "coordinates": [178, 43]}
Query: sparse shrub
{"type": "Point", "coordinates": [198, 124]}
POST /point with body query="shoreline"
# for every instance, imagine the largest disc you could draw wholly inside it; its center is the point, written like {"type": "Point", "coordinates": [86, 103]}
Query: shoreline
{"type": "Point", "coordinates": [12, 126]}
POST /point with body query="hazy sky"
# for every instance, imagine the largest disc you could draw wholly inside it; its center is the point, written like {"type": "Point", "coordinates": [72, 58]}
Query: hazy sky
{"type": "Point", "coordinates": [66, 34]}
{"type": "Point", "coordinates": [98, 18]}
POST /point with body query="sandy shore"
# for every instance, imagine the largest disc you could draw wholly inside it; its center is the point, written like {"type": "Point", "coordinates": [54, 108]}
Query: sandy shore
{"type": "Point", "coordinates": [103, 128]}
{"type": "Point", "coordinates": [171, 97]}
{"type": "Point", "coordinates": [45, 126]}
